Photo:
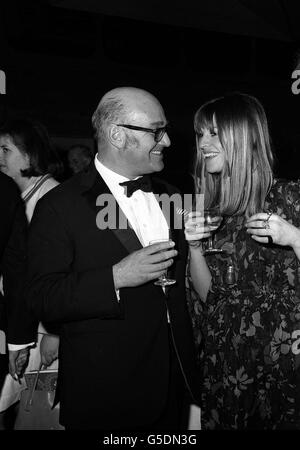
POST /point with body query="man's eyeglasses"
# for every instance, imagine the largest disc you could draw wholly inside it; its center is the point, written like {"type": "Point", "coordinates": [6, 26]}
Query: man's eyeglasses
{"type": "Point", "coordinates": [158, 132]}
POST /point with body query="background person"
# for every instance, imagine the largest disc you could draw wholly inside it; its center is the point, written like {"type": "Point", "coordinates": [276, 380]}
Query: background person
{"type": "Point", "coordinates": [17, 329]}
{"type": "Point", "coordinates": [79, 157]}
{"type": "Point", "coordinates": [27, 156]}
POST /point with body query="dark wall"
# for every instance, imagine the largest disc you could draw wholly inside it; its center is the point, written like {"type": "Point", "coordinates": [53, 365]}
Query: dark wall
{"type": "Point", "coordinates": [58, 64]}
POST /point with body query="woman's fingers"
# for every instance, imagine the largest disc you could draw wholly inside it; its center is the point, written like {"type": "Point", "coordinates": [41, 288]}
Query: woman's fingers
{"type": "Point", "coordinates": [272, 228]}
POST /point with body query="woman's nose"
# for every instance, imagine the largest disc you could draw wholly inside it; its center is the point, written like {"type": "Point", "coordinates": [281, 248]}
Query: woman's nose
{"type": "Point", "coordinates": [204, 142]}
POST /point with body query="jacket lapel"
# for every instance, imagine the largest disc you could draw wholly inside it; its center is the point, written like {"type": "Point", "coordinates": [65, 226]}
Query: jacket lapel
{"type": "Point", "coordinates": [93, 186]}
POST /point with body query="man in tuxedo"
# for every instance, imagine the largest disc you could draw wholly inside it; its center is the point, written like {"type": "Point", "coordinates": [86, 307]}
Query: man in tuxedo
{"type": "Point", "coordinates": [126, 347]}
{"type": "Point", "coordinates": [15, 318]}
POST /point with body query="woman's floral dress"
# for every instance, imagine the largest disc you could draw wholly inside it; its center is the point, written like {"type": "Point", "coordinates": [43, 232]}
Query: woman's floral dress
{"type": "Point", "coordinates": [248, 331]}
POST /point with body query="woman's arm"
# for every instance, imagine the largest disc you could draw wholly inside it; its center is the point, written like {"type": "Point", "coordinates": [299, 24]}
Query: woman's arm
{"type": "Point", "coordinates": [199, 272]}
{"type": "Point", "coordinates": [195, 231]}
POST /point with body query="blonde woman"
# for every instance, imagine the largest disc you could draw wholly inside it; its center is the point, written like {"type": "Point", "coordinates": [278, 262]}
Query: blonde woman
{"type": "Point", "coordinates": [245, 300]}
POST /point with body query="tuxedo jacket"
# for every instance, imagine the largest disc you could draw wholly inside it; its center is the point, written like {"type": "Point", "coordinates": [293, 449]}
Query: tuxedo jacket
{"type": "Point", "coordinates": [15, 318]}
{"type": "Point", "coordinates": [114, 355]}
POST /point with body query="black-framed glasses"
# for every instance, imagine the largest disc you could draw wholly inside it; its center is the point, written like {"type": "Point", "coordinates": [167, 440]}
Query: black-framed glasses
{"type": "Point", "coordinates": [158, 132]}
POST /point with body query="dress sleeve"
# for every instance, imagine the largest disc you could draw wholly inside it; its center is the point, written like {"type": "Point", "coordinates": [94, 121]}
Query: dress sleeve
{"type": "Point", "coordinates": [195, 306]}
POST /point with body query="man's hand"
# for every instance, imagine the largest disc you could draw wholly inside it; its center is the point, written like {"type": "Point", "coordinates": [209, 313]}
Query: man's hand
{"type": "Point", "coordinates": [49, 348]}
{"type": "Point", "coordinates": [144, 265]}
{"type": "Point", "coordinates": [17, 362]}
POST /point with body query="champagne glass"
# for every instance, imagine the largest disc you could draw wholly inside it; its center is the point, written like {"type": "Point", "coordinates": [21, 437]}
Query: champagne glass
{"type": "Point", "coordinates": [163, 280]}
{"type": "Point", "coordinates": [212, 218]}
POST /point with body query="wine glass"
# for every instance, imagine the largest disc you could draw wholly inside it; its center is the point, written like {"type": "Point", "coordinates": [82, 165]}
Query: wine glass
{"type": "Point", "coordinates": [163, 280]}
{"type": "Point", "coordinates": [213, 219]}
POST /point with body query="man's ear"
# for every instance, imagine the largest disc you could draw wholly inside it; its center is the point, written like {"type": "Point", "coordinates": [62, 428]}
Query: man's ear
{"type": "Point", "coordinates": [116, 136]}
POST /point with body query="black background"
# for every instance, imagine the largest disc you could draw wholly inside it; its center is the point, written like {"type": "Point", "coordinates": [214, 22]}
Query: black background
{"type": "Point", "coordinates": [59, 60]}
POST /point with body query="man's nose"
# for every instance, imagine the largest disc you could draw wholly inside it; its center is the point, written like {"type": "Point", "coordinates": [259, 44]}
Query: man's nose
{"type": "Point", "coordinates": [166, 142]}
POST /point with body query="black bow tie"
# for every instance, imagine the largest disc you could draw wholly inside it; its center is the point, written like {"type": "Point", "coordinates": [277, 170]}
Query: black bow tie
{"type": "Point", "coordinates": [143, 183]}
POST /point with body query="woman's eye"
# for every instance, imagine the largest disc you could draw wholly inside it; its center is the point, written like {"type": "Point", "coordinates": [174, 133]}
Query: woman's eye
{"type": "Point", "coordinates": [5, 149]}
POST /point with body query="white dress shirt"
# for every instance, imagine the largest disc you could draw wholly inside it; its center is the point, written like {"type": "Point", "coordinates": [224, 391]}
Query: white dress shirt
{"type": "Point", "coordinates": [141, 209]}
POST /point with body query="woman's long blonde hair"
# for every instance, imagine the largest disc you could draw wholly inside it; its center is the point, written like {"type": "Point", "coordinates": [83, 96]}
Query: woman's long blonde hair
{"type": "Point", "coordinates": [247, 176]}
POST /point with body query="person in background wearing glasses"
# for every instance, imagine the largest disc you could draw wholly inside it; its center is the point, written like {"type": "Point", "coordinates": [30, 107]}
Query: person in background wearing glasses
{"type": "Point", "coordinates": [126, 347]}
{"type": "Point", "coordinates": [245, 300]}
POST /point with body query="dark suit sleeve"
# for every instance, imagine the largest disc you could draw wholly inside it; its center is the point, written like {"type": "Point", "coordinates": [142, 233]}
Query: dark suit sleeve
{"type": "Point", "coordinates": [56, 292]}
{"type": "Point", "coordinates": [21, 326]}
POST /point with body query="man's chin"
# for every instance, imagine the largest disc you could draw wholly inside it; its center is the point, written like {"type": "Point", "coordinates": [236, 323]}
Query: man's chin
{"type": "Point", "coordinates": [159, 167]}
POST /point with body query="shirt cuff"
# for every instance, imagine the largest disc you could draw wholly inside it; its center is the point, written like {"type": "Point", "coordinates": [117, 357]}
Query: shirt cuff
{"type": "Point", "coordinates": [16, 347]}
{"type": "Point", "coordinates": [118, 294]}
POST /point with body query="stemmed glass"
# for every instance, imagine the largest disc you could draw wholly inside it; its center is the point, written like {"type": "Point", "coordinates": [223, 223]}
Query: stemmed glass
{"type": "Point", "coordinates": [213, 219]}
{"type": "Point", "coordinates": [163, 280]}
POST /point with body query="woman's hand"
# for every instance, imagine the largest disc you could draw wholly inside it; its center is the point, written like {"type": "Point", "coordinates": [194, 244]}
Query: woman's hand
{"type": "Point", "coordinates": [271, 228]}
{"type": "Point", "coordinates": [195, 230]}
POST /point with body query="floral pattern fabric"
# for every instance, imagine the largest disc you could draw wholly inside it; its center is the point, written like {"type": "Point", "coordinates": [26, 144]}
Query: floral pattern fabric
{"type": "Point", "coordinates": [248, 330]}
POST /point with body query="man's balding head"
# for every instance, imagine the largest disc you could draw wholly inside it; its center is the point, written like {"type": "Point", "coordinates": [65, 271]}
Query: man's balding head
{"type": "Point", "coordinates": [126, 121]}
{"type": "Point", "coordinates": [120, 105]}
